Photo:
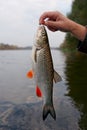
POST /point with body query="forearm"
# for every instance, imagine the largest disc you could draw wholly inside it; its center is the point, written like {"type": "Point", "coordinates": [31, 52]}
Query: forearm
{"type": "Point", "coordinates": [78, 30]}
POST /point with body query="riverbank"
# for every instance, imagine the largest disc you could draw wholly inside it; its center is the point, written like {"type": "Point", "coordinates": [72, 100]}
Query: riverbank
{"type": "Point", "coordinates": [12, 47]}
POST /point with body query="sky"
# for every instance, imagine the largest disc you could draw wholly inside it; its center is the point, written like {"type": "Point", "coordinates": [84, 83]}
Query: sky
{"type": "Point", "coordinates": [19, 20]}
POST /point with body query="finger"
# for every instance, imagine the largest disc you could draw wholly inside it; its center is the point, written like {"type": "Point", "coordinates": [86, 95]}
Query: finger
{"type": "Point", "coordinates": [46, 15]}
{"type": "Point", "coordinates": [42, 18]}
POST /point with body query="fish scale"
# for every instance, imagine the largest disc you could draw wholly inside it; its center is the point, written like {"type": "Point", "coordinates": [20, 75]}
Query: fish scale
{"type": "Point", "coordinates": [43, 69]}
{"type": "Point", "coordinates": [45, 64]}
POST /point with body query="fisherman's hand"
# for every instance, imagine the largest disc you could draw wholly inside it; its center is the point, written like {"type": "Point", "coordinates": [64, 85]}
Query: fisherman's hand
{"type": "Point", "coordinates": [55, 21]}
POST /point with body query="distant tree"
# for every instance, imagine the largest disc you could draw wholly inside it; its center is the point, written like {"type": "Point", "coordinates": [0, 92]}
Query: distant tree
{"type": "Point", "coordinates": [8, 47]}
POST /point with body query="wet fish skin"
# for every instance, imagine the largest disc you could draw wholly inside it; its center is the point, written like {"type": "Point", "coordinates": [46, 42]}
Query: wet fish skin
{"type": "Point", "coordinates": [44, 71]}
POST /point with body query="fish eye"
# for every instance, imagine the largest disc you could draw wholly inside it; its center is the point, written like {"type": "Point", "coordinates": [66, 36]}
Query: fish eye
{"type": "Point", "coordinates": [43, 34]}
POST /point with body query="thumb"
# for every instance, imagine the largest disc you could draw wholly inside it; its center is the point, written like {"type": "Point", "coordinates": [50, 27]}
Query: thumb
{"type": "Point", "coordinates": [52, 25]}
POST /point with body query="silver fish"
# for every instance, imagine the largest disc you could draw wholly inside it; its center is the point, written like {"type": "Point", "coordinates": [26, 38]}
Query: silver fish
{"type": "Point", "coordinates": [44, 72]}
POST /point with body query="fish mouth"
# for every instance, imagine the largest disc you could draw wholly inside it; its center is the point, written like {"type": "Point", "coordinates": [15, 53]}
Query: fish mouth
{"type": "Point", "coordinates": [41, 27]}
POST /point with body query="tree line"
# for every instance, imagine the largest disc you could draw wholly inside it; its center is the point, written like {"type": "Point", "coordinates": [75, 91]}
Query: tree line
{"type": "Point", "coordinates": [12, 47]}
{"type": "Point", "coordinates": [7, 46]}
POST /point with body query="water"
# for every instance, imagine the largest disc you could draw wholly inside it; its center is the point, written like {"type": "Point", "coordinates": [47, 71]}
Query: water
{"type": "Point", "coordinates": [14, 86]}
{"type": "Point", "coordinates": [21, 109]}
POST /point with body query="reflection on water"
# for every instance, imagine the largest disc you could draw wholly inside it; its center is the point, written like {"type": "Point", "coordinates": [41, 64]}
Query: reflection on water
{"type": "Point", "coordinates": [19, 106]}
{"type": "Point", "coordinates": [76, 77]}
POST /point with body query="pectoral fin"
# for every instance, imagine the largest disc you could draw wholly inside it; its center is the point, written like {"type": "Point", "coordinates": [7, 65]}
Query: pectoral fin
{"type": "Point", "coordinates": [57, 77]}
{"type": "Point", "coordinates": [30, 74]}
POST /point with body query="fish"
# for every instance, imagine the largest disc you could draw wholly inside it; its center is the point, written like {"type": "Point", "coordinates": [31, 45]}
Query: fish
{"type": "Point", "coordinates": [43, 71]}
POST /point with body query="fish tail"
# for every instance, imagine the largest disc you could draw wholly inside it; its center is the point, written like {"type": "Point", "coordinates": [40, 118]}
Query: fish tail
{"type": "Point", "coordinates": [48, 109]}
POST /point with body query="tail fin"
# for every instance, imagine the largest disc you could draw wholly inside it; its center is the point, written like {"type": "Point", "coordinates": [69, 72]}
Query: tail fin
{"type": "Point", "coordinates": [49, 109]}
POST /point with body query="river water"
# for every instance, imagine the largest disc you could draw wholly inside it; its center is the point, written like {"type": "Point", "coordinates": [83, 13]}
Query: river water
{"type": "Point", "coordinates": [21, 109]}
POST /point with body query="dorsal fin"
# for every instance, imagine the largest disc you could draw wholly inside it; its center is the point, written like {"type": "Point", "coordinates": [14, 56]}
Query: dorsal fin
{"type": "Point", "coordinates": [57, 77]}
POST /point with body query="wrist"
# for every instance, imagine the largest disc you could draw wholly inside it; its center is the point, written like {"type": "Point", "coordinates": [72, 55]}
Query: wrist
{"type": "Point", "coordinates": [79, 31]}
